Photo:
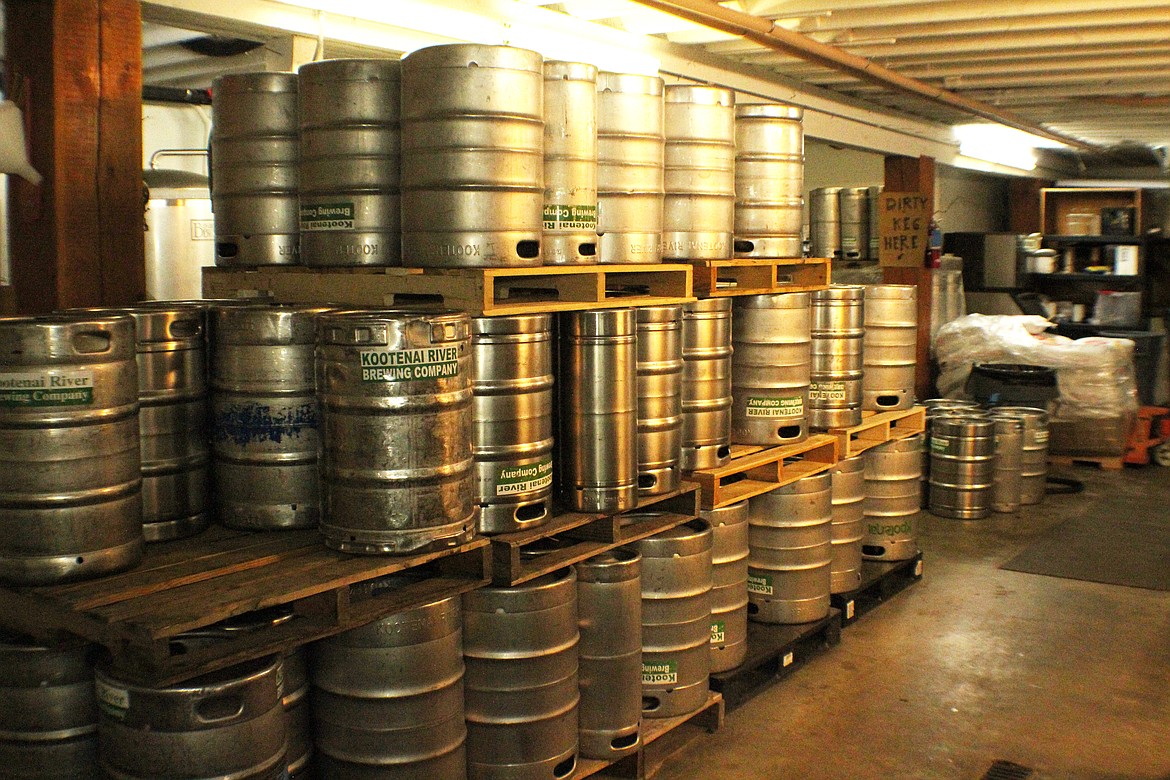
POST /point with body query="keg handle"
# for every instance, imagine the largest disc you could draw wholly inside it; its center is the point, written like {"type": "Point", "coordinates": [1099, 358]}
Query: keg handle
{"type": "Point", "coordinates": [91, 342]}
{"type": "Point", "coordinates": [219, 708]}
{"type": "Point", "coordinates": [177, 153]}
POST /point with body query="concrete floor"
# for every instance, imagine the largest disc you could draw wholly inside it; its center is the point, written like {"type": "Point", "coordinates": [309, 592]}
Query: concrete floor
{"type": "Point", "coordinates": [973, 664]}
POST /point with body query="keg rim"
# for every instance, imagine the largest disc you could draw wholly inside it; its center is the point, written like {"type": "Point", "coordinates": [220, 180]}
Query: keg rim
{"type": "Point", "coordinates": [262, 81]}
{"type": "Point", "coordinates": [568, 70]}
{"type": "Point", "coordinates": [699, 94]}
{"type": "Point", "coordinates": [359, 68]}
{"type": "Point", "coordinates": [512, 324]}
{"type": "Point", "coordinates": [768, 111]}
{"type": "Point", "coordinates": [630, 83]}
{"type": "Point", "coordinates": [483, 55]}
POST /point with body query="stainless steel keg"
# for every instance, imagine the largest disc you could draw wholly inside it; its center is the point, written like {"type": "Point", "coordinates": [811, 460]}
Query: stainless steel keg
{"type": "Point", "coordinates": [699, 210]}
{"type": "Point", "coordinates": [397, 473]}
{"type": "Point", "coordinates": [676, 619]}
{"type": "Point", "coordinates": [729, 577]}
{"type": "Point", "coordinates": [520, 645]}
{"type": "Point", "coordinates": [848, 525]}
{"type": "Point", "coordinates": [1034, 461]}
{"type": "Point", "coordinates": [891, 346]}
{"type": "Point", "coordinates": [706, 384]}
{"type": "Point", "coordinates": [1009, 457]}
{"type": "Point", "coordinates": [875, 236]}
{"type": "Point", "coordinates": [570, 163]}
{"type": "Point", "coordinates": [853, 213]}
{"type": "Point", "coordinates": [790, 555]}
{"type": "Point", "coordinates": [660, 369]}
{"type": "Point", "coordinates": [512, 381]}
{"type": "Point", "coordinates": [771, 371]}
{"type": "Point", "coordinates": [598, 445]}
{"type": "Point", "coordinates": [48, 713]}
{"type": "Point", "coordinates": [254, 166]}
{"type": "Point", "coordinates": [936, 407]}
{"type": "Point", "coordinates": [70, 478]}
{"type": "Point", "coordinates": [472, 156]}
{"type": "Point", "coordinates": [388, 696]}
{"type": "Point", "coordinates": [180, 231]}
{"type": "Point", "coordinates": [264, 417]}
{"type": "Point", "coordinates": [228, 723]}
{"type": "Point", "coordinates": [609, 616]}
{"type": "Point", "coordinates": [824, 222]}
{"type": "Point", "coordinates": [630, 168]}
{"type": "Point", "coordinates": [769, 180]}
{"type": "Point", "coordinates": [350, 213]}
{"type": "Point", "coordinates": [962, 466]}
{"type": "Point", "coordinates": [892, 501]}
{"type": "Point", "coordinates": [838, 330]}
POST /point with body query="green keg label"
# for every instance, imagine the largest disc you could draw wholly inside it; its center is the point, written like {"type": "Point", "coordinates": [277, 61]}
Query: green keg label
{"type": "Point", "coordinates": [524, 479]}
{"type": "Point", "coordinates": [323, 217]}
{"type": "Point", "coordinates": [760, 584]}
{"type": "Point", "coordinates": [788, 406]}
{"type": "Point", "coordinates": [896, 529]}
{"type": "Point", "coordinates": [662, 672]}
{"type": "Point", "coordinates": [569, 217]}
{"type": "Point", "coordinates": [718, 632]}
{"type": "Point", "coordinates": [46, 388]}
{"type": "Point", "coordinates": [940, 445]}
{"type": "Point", "coordinates": [405, 365]}
{"type": "Point", "coordinates": [826, 391]}
{"type": "Point", "coordinates": [113, 701]}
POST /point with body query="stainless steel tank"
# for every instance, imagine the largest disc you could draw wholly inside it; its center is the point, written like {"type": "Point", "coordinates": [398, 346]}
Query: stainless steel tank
{"type": "Point", "coordinates": [1034, 461]}
{"type": "Point", "coordinates": [254, 169]}
{"type": "Point", "coordinates": [598, 445]}
{"type": "Point", "coordinates": [699, 210]}
{"type": "Point", "coordinates": [838, 331]}
{"type": "Point", "coordinates": [70, 475]}
{"type": "Point", "coordinates": [771, 371]}
{"type": "Point", "coordinates": [570, 163]}
{"type": "Point", "coordinates": [512, 381]}
{"type": "Point", "coordinates": [962, 466]}
{"type": "Point", "coordinates": [1009, 456]}
{"type": "Point", "coordinates": [350, 210]}
{"type": "Point", "coordinates": [520, 645]}
{"type": "Point", "coordinates": [630, 168]}
{"type": "Point", "coordinates": [676, 619]}
{"type": "Point", "coordinates": [853, 213]}
{"type": "Point", "coordinates": [729, 577]}
{"type": "Point", "coordinates": [397, 473]}
{"type": "Point", "coordinates": [824, 223]}
{"type": "Point", "coordinates": [848, 525]}
{"type": "Point", "coordinates": [892, 501]}
{"type": "Point", "coordinates": [891, 346]}
{"type": "Point", "coordinates": [472, 156]}
{"type": "Point", "coordinates": [180, 232]}
{"type": "Point", "coordinates": [660, 368]}
{"type": "Point", "coordinates": [769, 180]}
{"type": "Point", "coordinates": [706, 384]}
{"type": "Point", "coordinates": [790, 555]}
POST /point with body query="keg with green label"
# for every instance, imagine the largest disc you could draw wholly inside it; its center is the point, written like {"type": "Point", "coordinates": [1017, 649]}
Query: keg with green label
{"type": "Point", "coordinates": [771, 370]}
{"type": "Point", "coordinates": [838, 328]}
{"type": "Point", "coordinates": [853, 212]}
{"type": "Point", "coordinates": [769, 180]}
{"type": "Point", "coordinates": [570, 163]}
{"type": "Point", "coordinates": [660, 369]}
{"type": "Point", "coordinates": [729, 576]}
{"type": "Point", "coordinates": [892, 501]}
{"type": "Point", "coordinates": [848, 526]}
{"type": "Point", "coordinates": [706, 384]}
{"type": "Point", "coordinates": [1034, 460]}
{"type": "Point", "coordinates": [891, 346]}
{"type": "Point", "coordinates": [962, 466]}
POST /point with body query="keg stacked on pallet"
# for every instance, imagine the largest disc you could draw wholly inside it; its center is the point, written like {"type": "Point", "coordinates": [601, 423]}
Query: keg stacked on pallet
{"type": "Point", "coordinates": [843, 223]}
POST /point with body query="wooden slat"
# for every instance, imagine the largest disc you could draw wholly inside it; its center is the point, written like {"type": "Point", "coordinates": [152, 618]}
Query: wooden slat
{"type": "Point", "coordinates": [879, 428]}
{"type": "Point", "coordinates": [754, 471]}
{"type": "Point", "coordinates": [760, 276]}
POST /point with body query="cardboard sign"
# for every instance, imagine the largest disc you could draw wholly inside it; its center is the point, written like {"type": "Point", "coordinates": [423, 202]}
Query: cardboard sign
{"type": "Point", "coordinates": [903, 225]}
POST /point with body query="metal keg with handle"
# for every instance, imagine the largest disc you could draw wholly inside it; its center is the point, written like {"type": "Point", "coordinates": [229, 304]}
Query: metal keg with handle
{"type": "Point", "coordinates": [699, 210]}
{"type": "Point", "coordinates": [824, 222]}
{"type": "Point", "coordinates": [962, 466]}
{"type": "Point", "coordinates": [598, 445]}
{"type": "Point", "coordinates": [472, 156]}
{"type": "Point", "coordinates": [388, 696]}
{"type": "Point", "coordinates": [848, 525]}
{"type": "Point", "coordinates": [790, 556]}
{"type": "Point", "coordinates": [512, 383]}
{"type": "Point", "coordinates": [771, 371]}
{"type": "Point", "coordinates": [48, 713]}
{"type": "Point", "coordinates": [706, 384]}
{"type": "Point", "coordinates": [255, 149]}
{"type": "Point", "coordinates": [630, 168]}
{"type": "Point", "coordinates": [609, 616]}
{"type": "Point", "coordinates": [520, 645]}
{"type": "Point", "coordinates": [1007, 479]}
{"type": "Point", "coordinates": [397, 474]}
{"type": "Point", "coordinates": [179, 227]}
{"type": "Point", "coordinates": [1034, 460]}
{"type": "Point", "coordinates": [891, 346]}
{"type": "Point", "coordinates": [570, 163]}
{"type": "Point", "coordinates": [676, 619]}
{"type": "Point", "coordinates": [70, 477]}
{"type": "Point", "coordinates": [875, 236]}
{"type": "Point", "coordinates": [264, 416]}
{"type": "Point", "coordinates": [769, 180]}
{"type": "Point", "coordinates": [729, 577]}
{"type": "Point", "coordinates": [838, 331]}
{"type": "Point", "coordinates": [228, 723]}
{"type": "Point", "coordinates": [660, 369]}
{"type": "Point", "coordinates": [892, 500]}
{"type": "Point", "coordinates": [936, 407]}
{"type": "Point", "coordinates": [350, 213]}
{"type": "Point", "coordinates": [853, 213]}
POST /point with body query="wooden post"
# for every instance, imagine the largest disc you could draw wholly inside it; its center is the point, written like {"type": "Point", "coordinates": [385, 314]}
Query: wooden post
{"type": "Point", "coordinates": [1024, 205]}
{"type": "Point", "coordinates": [75, 69]}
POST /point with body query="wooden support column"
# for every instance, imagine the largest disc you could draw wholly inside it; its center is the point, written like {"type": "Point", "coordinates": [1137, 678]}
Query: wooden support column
{"type": "Point", "coordinates": [1024, 205]}
{"type": "Point", "coordinates": [915, 174]}
{"type": "Point", "coordinates": [75, 68]}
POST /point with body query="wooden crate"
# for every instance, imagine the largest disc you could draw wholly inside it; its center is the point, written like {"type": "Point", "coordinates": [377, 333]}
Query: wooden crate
{"type": "Point", "coordinates": [193, 583]}
{"type": "Point", "coordinates": [720, 278]}
{"type": "Point", "coordinates": [587, 535]}
{"type": "Point", "coordinates": [755, 470]}
{"type": "Point", "coordinates": [478, 291]}
{"type": "Point", "coordinates": [878, 428]}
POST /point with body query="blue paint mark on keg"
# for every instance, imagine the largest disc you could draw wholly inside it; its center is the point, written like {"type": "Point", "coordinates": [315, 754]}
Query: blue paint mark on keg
{"type": "Point", "coordinates": [255, 423]}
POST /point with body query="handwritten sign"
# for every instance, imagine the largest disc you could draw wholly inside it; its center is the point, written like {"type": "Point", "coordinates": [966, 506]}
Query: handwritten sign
{"type": "Point", "coordinates": [903, 224]}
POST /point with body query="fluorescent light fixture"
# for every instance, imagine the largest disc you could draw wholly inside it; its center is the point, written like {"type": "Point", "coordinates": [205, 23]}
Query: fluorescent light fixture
{"type": "Point", "coordinates": [1001, 145]}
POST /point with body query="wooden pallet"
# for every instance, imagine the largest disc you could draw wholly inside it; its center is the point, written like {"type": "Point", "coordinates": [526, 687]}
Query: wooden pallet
{"type": "Point", "coordinates": [585, 535]}
{"type": "Point", "coordinates": [880, 581]}
{"type": "Point", "coordinates": [878, 428]}
{"type": "Point", "coordinates": [1104, 462]}
{"type": "Point", "coordinates": [755, 470]}
{"type": "Point", "coordinates": [478, 291]}
{"type": "Point", "coordinates": [193, 583]}
{"type": "Point", "coordinates": [720, 278]}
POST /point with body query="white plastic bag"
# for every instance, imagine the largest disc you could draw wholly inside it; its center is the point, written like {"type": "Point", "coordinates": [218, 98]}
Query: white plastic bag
{"type": "Point", "coordinates": [13, 152]}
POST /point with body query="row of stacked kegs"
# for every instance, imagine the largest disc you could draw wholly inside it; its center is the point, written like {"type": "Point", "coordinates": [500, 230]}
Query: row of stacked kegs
{"type": "Point", "coordinates": [475, 155]}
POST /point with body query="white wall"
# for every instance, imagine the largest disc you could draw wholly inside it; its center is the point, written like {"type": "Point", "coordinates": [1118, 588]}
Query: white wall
{"type": "Point", "coordinates": [175, 126]}
{"type": "Point", "coordinates": [836, 166]}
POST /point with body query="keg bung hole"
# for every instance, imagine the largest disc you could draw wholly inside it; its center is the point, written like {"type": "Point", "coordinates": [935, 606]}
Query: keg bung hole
{"type": "Point", "coordinates": [753, 608]}
{"type": "Point", "coordinates": [873, 550]}
{"type": "Point", "coordinates": [528, 249]}
{"type": "Point", "coordinates": [80, 559]}
{"type": "Point", "coordinates": [587, 250]}
{"type": "Point", "coordinates": [788, 431]}
{"type": "Point", "coordinates": [887, 400]}
{"type": "Point", "coordinates": [647, 481]}
{"type": "Point", "coordinates": [227, 249]}
{"type": "Point", "coordinates": [219, 708]}
{"type": "Point", "coordinates": [744, 246]}
{"type": "Point", "coordinates": [621, 743]}
{"type": "Point", "coordinates": [724, 451]}
{"type": "Point", "coordinates": [530, 512]}
{"type": "Point", "coordinates": [566, 767]}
